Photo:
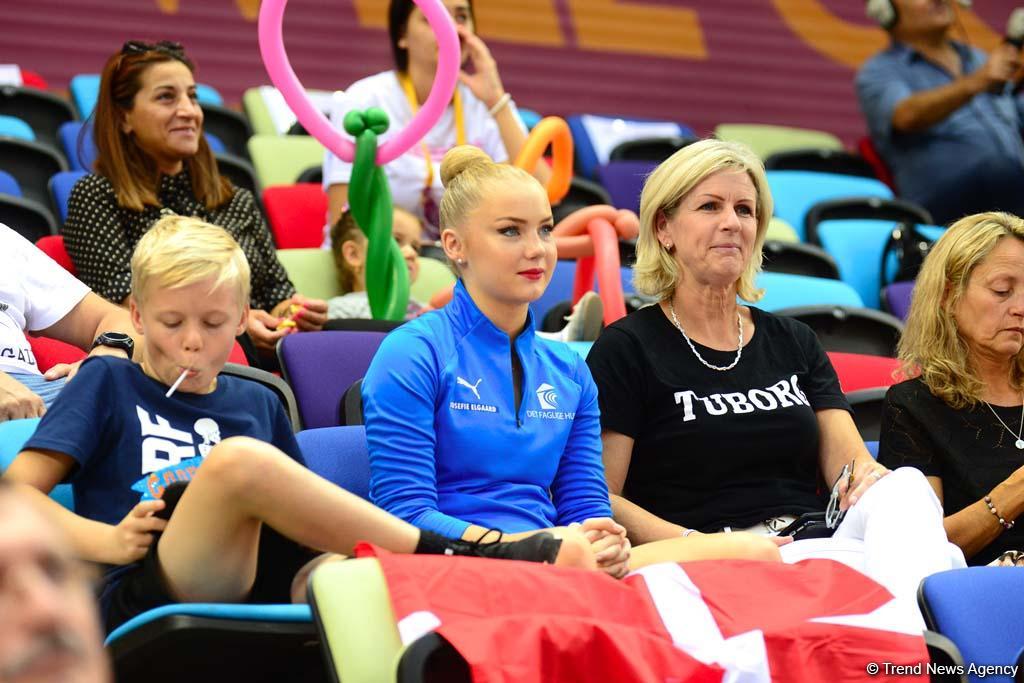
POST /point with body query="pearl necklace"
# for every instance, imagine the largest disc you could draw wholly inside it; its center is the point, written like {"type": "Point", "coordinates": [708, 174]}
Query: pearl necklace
{"type": "Point", "coordinates": [1020, 442]}
{"type": "Point", "coordinates": [739, 347]}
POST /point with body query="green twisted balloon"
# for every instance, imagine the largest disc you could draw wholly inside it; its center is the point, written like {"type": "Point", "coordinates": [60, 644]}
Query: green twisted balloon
{"type": "Point", "coordinates": [387, 276]}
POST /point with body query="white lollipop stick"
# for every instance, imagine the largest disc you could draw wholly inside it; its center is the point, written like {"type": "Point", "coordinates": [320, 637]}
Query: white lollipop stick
{"type": "Point", "coordinates": [177, 382]}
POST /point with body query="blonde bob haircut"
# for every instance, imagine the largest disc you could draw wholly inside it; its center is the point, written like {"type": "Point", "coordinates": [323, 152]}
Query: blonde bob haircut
{"type": "Point", "coordinates": [656, 272]}
{"type": "Point", "coordinates": [931, 346]}
{"type": "Point", "coordinates": [179, 251]}
{"type": "Point", "coordinates": [466, 172]}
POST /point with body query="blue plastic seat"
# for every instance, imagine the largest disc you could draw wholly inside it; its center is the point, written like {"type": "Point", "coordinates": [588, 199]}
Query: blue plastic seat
{"type": "Point", "coordinates": [339, 455]}
{"type": "Point", "coordinates": [60, 189]}
{"type": "Point", "coordinates": [13, 435]}
{"type": "Point", "coordinates": [79, 147]}
{"type": "Point", "coordinates": [529, 117]}
{"type": "Point", "coordinates": [979, 609]}
{"type": "Point", "coordinates": [783, 290]}
{"type": "Point", "coordinates": [85, 89]}
{"type": "Point", "coordinates": [624, 181]}
{"type": "Point", "coordinates": [13, 127]}
{"type": "Point", "coordinates": [561, 285]}
{"type": "Point", "coordinates": [795, 192]}
{"type": "Point", "coordinates": [9, 184]}
{"type": "Point", "coordinates": [594, 136]}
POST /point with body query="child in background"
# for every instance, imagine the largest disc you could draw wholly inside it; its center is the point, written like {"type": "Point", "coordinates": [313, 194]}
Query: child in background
{"type": "Point", "coordinates": [349, 245]}
{"type": "Point", "coordinates": [250, 511]}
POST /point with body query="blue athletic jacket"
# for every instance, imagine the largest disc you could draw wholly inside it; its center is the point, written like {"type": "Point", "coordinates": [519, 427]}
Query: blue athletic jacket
{"type": "Point", "coordinates": [449, 449]}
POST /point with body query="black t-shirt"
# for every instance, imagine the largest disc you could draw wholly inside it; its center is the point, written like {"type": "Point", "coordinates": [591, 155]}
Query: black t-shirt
{"type": "Point", "coordinates": [714, 449]}
{"type": "Point", "coordinates": [968, 449]}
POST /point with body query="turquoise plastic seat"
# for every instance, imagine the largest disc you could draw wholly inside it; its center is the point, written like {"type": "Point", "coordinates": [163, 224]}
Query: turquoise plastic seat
{"type": "Point", "coordinates": [13, 435]}
{"type": "Point", "coordinates": [85, 89]}
{"type": "Point", "coordinates": [795, 192]}
{"type": "Point", "coordinates": [13, 127]}
{"type": "Point", "coordinates": [783, 290]}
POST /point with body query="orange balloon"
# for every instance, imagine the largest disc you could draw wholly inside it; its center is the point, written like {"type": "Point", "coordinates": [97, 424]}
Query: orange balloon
{"type": "Point", "coordinates": [573, 239]}
{"type": "Point", "coordinates": [554, 131]}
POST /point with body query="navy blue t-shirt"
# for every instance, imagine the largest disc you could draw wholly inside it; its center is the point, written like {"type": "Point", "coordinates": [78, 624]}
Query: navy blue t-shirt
{"type": "Point", "coordinates": [129, 440]}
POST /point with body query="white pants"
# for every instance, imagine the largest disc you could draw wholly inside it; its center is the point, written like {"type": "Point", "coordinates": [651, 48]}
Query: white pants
{"type": "Point", "coordinates": [894, 534]}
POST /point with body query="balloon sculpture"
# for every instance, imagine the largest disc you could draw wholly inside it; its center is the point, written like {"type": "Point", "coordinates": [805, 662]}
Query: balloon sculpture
{"type": "Point", "coordinates": [590, 235]}
{"type": "Point", "coordinates": [387, 279]}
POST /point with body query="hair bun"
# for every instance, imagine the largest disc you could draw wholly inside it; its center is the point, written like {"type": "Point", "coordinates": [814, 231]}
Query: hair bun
{"type": "Point", "coordinates": [458, 159]}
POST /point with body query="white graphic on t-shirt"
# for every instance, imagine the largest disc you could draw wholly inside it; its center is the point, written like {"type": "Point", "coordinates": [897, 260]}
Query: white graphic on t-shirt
{"type": "Point", "coordinates": [471, 387]}
{"type": "Point", "coordinates": [210, 431]}
{"type": "Point", "coordinates": [547, 397]}
{"type": "Point", "coordinates": [782, 394]}
{"type": "Point", "coordinates": [158, 442]}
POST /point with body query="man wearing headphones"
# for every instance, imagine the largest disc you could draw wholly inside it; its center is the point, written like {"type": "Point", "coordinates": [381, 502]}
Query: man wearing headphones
{"type": "Point", "coordinates": [944, 115]}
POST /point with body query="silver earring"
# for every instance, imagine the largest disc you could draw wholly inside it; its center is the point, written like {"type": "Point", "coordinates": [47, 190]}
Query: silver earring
{"type": "Point", "coordinates": [460, 261]}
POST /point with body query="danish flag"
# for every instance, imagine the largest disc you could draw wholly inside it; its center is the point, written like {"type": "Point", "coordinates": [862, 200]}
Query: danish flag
{"type": "Point", "coordinates": [720, 621]}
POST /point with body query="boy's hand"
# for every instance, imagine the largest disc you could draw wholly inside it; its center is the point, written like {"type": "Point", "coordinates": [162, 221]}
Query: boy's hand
{"type": "Point", "coordinates": [18, 401]}
{"type": "Point", "coordinates": [130, 540]}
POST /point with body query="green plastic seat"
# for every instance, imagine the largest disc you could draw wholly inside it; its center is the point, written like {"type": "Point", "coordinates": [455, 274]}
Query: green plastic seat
{"type": "Point", "coordinates": [434, 276]}
{"type": "Point", "coordinates": [781, 231]}
{"type": "Point", "coordinates": [352, 610]}
{"type": "Point", "coordinates": [257, 112]}
{"type": "Point", "coordinates": [280, 159]}
{"type": "Point", "coordinates": [312, 271]}
{"type": "Point", "coordinates": [766, 140]}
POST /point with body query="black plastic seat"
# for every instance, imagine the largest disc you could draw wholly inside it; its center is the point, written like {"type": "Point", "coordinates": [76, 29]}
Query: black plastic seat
{"type": "Point", "coordinates": [649, 149]}
{"type": "Point", "coordinates": [432, 659]}
{"type": "Point", "coordinates": [230, 126]}
{"type": "Point", "coordinates": [582, 193]}
{"type": "Point", "coordinates": [821, 160]}
{"type": "Point", "coordinates": [850, 329]}
{"type": "Point", "coordinates": [44, 111]}
{"type": "Point", "coordinates": [863, 208]}
{"type": "Point", "coordinates": [867, 407]}
{"type": "Point", "coordinates": [313, 174]}
{"type": "Point", "coordinates": [280, 388]}
{"type": "Point", "coordinates": [32, 164]}
{"type": "Point", "coordinates": [27, 217]}
{"type": "Point", "coordinates": [799, 259]}
{"type": "Point", "coordinates": [240, 172]}
{"type": "Point", "coordinates": [350, 407]}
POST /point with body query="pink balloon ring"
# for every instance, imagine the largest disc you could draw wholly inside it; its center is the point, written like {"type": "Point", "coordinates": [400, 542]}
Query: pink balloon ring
{"type": "Point", "coordinates": [316, 124]}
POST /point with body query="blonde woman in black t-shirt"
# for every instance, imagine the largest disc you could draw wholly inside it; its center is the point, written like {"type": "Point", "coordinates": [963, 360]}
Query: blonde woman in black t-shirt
{"type": "Point", "coordinates": [719, 416]}
{"type": "Point", "coordinates": [959, 418]}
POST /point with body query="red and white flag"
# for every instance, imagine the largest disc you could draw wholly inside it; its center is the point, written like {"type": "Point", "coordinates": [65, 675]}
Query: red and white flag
{"type": "Point", "coordinates": [729, 621]}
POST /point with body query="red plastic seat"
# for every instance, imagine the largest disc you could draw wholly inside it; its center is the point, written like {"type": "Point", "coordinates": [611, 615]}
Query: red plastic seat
{"type": "Point", "coordinates": [296, 214]}
{"type": "Point", "coordinates": [53, 246]}
{"type": "Point", "coordinates": [859, 371]}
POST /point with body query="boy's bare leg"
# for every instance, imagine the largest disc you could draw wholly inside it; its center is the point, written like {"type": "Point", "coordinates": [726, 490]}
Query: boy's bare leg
{"type": "Point", "coordinates": [738, 545]}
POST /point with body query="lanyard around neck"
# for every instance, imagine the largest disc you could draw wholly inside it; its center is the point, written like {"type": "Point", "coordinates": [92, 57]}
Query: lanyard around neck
{"type": "Point", "coordinates": [460, 121]}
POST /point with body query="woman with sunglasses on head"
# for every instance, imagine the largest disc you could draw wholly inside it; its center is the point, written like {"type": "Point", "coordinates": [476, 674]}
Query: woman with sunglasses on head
{"type": "Point", "coordinates": [481, 113]}
{"type": "Point", "coordinates": [153, 159]}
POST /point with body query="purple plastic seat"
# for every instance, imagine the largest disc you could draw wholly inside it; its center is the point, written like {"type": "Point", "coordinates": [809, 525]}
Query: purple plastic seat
{"type": "Point", "coordinates": [320, 366]}
{"type": "Point", "coordinates": [624, 180]}
{"type": "Point", "coordinates": [896, 298]}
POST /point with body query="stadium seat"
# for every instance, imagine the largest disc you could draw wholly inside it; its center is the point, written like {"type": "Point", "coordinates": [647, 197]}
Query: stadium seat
{"type": "Point", "coordinates": [85, 89]}
{"type": "Point", "coordinates": [820, 160]}
{"type": "Point", "coordinates": [313, 174]}
{"type": "Point", "coordinates": [320, 366]}
{"type": "Point", "coordinates": [862, 208]}
{"type": "Point", "coordinates": [783, 290]}
{"type": "Point", "coordinates": [273, 382]}
{"type": "Point", "coordinates": [850, 329]}
{"type": "Point", "coordinates": [257, 113]}
{"type": "Point", "coordinates": [529, 117]}
{"type": "Point", "coordinates": [649, 149]}
{"type": "Point", "coordinates": [582, 193]}
{"type": "Point", "coordinates": [216, 144]}
{"type": "Point", "coordinates": [50, 352]}
{"type": "Point", "coordinates": [350, 407]}
{"type": "Point", "coordinates": [13, 435]}
{"type": "Point", "coordinates": [9, 185]}
{"type": "Point", "coordinates": [229, 126]}
{"type": "Point", "coordinates": [32, 164]}
{"type": "Point", "coordinates": [979, 609]}
{"type": "Point", "coordinates": [44, 111]}
{"type": "Point", "coordinates": [799, 259]}
{"type": "Point", "coordinates": [795, 192]}
{"type": "Point", "coordinates": [207, 95]}
{"type": "Point", "coordinates": [53, 246]}
{"type": "Point", "coordinates": [296, 214]}
{"type": "Point", "coordinates": [432, 658]}
{"type": "Point", "coordinates": [767, 140]}
{"type": "Point", "coordinates": [279, 159]}
{"type": "Point", "coordinates": [867, 407]}
{"type": "Point", "coordinates": [595, 136]}
{"type": "Point", "coordinates": [215, 643]}
{"type": "Point", "coordinates": [434, 276]}
{"type": "Point", "coordinates": [351, 606]}
{"type": "Point", "coordinates": [240, 172]}
{"type": "Point", "coordinates": [339, 455]}
{"type": "Point", "coordinates": [896, 299]}
{"type": "Point", "coordinates": [60, 191]}
{"type": "Point", "coordinates": [312, 271]}
{"type": "Point", "coordinates": [27, 217]}
{"type": "Point", "coordinates": [780, 231]}
{"type": "Point", "coordinates": [79, 147]}
{"type": "Point", "coordinates": [861, 371]}
{"type": "Point", "coordinates": [624, 180]}
{"type": "Point", "coordinates": [13, 127]}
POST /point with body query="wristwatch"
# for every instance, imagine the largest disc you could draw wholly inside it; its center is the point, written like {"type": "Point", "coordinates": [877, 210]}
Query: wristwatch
{"type": "Point", "coordinates": [116, 340]}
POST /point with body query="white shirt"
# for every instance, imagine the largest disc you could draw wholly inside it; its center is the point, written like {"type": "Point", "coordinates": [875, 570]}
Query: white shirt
{"type": "Point", "coordinates": [408, 173]}
{"type": "Point", "coordinates": [35, 293]}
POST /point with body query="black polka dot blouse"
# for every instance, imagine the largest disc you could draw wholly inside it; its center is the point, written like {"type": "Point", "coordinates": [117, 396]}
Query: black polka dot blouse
{"type": "Point", "coordinates": [100, 235]}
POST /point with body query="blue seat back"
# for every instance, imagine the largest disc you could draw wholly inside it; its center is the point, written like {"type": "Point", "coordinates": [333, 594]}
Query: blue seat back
{"type": "Point", "coordinates": [624, 181]}
{"type": "Point", "coordinates": [794, 192]}
{"type": "Point", "coordinates": [79, 147]}
{"type": "Point", "coordinates": [979, 609]}
{"type": "Point", "coordinates": [783, 290]}
{"type": "Point", "coordinates": [339, 455]}
{"type": "Point", "coordinates": [13, 127]}
{"type": "Point", "coordinates": [13, 436]}
{"type": "Point", "coordinates": [224, 611]}
{"type": "Point", "coordinates": [595, 136]}
{"type": "Point", "coordinates": [9, 184]}
{"type": "Point", "coordinates": [60, 187]}
{"type": "Point", "coordinates": [529, 117]}
{"type": "Point", "coordinates": [207, 94]}
{"type": "Point", "coordinates": [85, 90]}
{"type": "Point", "coordinates": [560, 288]}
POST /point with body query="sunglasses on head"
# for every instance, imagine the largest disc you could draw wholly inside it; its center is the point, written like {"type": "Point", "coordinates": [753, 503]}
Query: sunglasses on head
{"type": "Point", "coordinates": [138, 47]}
